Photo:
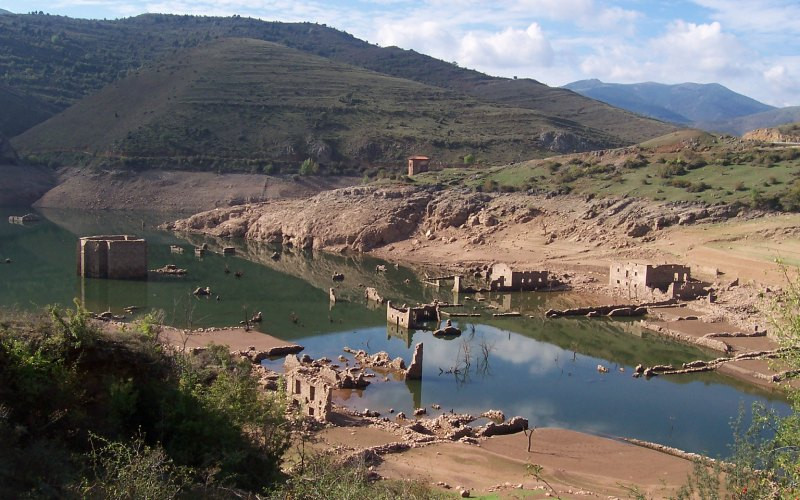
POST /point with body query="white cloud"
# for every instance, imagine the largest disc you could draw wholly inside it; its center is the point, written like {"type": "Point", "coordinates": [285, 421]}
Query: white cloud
{"type": "Point", "coordinates": [509, 48]}
{"type": "Point", "coordinates": [762, 17]}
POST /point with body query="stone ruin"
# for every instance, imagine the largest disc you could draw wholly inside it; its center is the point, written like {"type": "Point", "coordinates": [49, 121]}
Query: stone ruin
{"type": "Point", "coordinates": [411, 317]}
{"type": "Point", "coordinates": [112, 257]}
{"type": "Point", "coordinates": [653, 282]}
{"type": "Point", "coordinates": [503, 278]}
{"type": "Point", "coordinates": [308, 388]}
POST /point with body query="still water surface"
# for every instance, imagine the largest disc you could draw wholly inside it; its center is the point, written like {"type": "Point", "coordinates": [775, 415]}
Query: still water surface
{"type": "Point", "coordinates": [545, 370]}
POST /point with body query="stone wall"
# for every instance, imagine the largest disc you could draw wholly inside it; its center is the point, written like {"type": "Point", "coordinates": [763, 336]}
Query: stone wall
{"type": "Point", "coordinates": [307, 390]}
{"type": "Point", "coordinates": [112, 257]}
{"type": "Point", "coordinates": [411, 317]}
{"type": "Point", "coordinates": [653, 283]}
{"type": "Point", "coordinates": [503, 278]}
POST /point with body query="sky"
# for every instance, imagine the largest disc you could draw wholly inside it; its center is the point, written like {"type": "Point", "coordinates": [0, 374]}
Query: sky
{"type": "Point", "coordinates": [751, 47]}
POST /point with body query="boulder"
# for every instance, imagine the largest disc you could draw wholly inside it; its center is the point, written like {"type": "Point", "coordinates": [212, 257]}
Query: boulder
{"type": "Point", "coordinates": [516, 424]}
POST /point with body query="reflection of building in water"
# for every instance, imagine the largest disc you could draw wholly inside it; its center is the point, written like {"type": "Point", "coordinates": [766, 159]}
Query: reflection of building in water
{"type": "Point", "coordinates": [399, 332]}
{"type": "Point", "coordinates": [110, 295]}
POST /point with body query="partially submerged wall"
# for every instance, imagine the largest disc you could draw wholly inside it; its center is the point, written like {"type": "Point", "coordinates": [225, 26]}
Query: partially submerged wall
{"type": "Point", "coordinates": [505, 279]}
{"type": "Point", "coordinates": [112, 257]}
{"type": "Point", "coordinates": [411, 317]}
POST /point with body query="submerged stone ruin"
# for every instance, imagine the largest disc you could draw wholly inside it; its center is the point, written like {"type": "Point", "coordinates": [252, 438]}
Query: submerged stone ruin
{"type": "Point", "coordinates": [411, 317]}
{"type": "Point", "coordinates": [112, 257]}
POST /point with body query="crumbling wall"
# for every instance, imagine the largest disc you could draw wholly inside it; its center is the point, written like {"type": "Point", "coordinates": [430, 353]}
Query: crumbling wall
{"type": "Point", "coordinates": [503, 278]}
{"type": "Point", "coordinates": [653, 283]}
{"type": "Point", "coordinates": [411, 317]}
{"type": "Point", "coordinates": [664, 275]}
{"type": "Point", "coordinates": [112, 257]}
{"type": "Point", "coordinates": [398, 316]}
{"type": "Point", "coordinates": [307, 390]}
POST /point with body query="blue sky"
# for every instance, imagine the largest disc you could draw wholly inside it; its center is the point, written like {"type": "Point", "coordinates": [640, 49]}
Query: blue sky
{"type": "Point", "coordinates": [752, 47]}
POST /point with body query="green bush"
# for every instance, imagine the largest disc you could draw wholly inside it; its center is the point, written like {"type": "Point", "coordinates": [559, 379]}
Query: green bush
{"type": "Point", "coordinates": [323, 476]}
{"type": "Point", "coordinates": [670, 170]}
{"type": "Point", "coordinates": [469, 159]}
{"type": "Point", "coordinates": [309, 167]}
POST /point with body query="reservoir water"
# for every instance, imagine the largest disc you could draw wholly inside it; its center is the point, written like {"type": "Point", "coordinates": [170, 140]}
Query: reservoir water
{"type": "Point", "coordinates": [544, 370]}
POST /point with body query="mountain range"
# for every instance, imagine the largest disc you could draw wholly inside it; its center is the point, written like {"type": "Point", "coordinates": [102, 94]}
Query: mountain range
{"type": "Point", "coordinates": [710, 107]}
{"type": "Point", "coordinates": [684, 103]}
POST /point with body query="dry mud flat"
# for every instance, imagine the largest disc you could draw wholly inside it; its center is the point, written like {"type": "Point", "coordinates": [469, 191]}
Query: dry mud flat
{"type": "Point", "coordinates": [576, 465]}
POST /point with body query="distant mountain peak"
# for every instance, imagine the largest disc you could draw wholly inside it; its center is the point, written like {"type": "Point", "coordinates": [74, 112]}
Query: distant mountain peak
{"type": "Point", "coordinates": [683, 103]}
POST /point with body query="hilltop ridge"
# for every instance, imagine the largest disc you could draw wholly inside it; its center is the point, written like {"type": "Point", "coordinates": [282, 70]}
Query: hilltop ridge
{"type": "Point", "coordinates": [256, 106]}
{"type": "Point", "coordinates": [86, 55]}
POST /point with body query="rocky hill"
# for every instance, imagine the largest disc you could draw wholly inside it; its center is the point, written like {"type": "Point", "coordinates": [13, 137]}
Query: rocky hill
{"type": "Point", "coordinates": [255, 106]}
{"type": "Point", "coordinates": [362, 219]}
{"type": "Point", "coordinates": [59, 60]}
{"type": "Point", "coordinates": [786, 133]}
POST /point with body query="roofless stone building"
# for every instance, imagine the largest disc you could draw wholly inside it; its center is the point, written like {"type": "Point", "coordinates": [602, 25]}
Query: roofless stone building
{"type": "Point", "coordinates": [112, 257]}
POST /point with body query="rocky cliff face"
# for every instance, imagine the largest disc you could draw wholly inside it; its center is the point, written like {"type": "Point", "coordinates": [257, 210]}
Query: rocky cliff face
{"type": "Point", "coordinates": [770, 135]}
{"type": "Point", "coordinates": [365, 218]}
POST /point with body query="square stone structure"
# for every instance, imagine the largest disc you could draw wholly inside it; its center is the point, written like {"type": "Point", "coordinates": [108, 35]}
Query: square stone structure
{"type": "Point", "coordinates": [411, 317]}
{"type": "Point", "coordinates": [505, 279]}
{"type": "Point", "coordinates": [112, 257]}
{"type": "Point", "coordinates": [653, 282]}
{"type": "Point", "coordinates": [309, 388]}
{"type": "Point", "coordinates": [417, 164]}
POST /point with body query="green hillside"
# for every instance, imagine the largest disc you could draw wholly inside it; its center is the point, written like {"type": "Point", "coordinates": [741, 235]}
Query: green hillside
{"type": "Point", "coordinates": [684, 166]}
{"type": "Point", "coordinates": [60, 60]}
{"type": "Point", "coordinates": [21, 112]}
{"type": "Point", "coordinates": [243, 104]}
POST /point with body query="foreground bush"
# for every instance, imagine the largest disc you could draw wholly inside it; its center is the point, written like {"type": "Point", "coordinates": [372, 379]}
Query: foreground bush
{"type": "Point", "coordinates": [68, 388]}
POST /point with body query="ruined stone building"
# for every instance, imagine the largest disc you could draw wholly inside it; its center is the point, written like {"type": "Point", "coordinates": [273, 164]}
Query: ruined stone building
{"type": "Point", "coordinates": [308, 389]}
{"type": "Point", "coordinates": [417, 164]}
{"type": "Point", "coordinates": [411, 317]}
{"type": "Point", "coordinates": [505, 279]}
{"type": "Point", "coordinates": [112, 257]}
{"type": "Point", "coordinates": [653, 282]}
{"type": "Point", "coordinates": [23, 219]}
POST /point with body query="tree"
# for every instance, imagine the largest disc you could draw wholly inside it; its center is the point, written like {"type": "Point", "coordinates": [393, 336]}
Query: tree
{"type": "Point", "coordinates": [765, 462]}
{"type": "Point", "coordinates": [309, 167]}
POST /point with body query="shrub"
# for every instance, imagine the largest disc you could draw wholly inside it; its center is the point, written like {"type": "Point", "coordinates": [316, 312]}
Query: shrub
{"type": "Point", "coordinates": [670, 170]}
{"type": "Point", "coordinates": [697, 188]}
{"type": "Point", "coordinates": [323, 476]}
{"type": "Point", "coordinates": [133, 470]}
{"type": "Point", "coordinates": [309, 167]}
{"type": "Point", "coordinates": [469, 159]}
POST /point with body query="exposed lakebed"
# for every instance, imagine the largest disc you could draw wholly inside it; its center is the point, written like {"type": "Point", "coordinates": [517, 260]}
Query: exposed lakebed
{"type": "Point", "coordinates": [545, 370]}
